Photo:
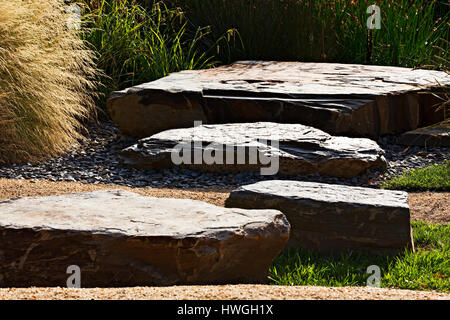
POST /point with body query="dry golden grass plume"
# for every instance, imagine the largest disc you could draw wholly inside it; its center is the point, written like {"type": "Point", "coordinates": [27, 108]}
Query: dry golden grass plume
{"type": "Point", "coordinates": [46, 80]}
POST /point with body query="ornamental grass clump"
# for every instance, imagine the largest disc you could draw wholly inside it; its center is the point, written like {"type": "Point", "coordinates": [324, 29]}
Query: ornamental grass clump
{"type": "Point", "coordinates": [47, 81]}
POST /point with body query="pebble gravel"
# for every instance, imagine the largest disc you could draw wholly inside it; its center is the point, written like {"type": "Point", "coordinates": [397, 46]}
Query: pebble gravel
{"type": "Point", "coordinates": [95, 161]}
{"type": "Point", "coordinates": [224, 292]}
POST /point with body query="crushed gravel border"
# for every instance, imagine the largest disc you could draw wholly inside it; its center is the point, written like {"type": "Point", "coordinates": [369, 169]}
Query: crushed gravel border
{"type": "Point", "coordinates": [226, 292]}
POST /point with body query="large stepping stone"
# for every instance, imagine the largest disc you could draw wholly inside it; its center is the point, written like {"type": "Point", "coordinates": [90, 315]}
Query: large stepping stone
{"type": "Point", "coordinates": [265, 147]}
{"type": "Point", "coordinates": [334, 218]}
{"type": "Point", "coordinates": [119, 238]}
{"type": "Point", "coordinates": [341, 99]}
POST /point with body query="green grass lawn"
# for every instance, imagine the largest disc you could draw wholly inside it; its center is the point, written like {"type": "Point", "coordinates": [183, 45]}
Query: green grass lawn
{"type": "Point", "coordinates": [434, 178]}
{"type": "Point", "coordinates": [426, 269]}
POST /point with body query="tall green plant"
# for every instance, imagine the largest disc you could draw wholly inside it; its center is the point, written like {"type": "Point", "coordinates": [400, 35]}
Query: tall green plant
{"type": "Point", "coordinates": [139, 43]}
{"type": "Point", "coordinates": [323, 30]}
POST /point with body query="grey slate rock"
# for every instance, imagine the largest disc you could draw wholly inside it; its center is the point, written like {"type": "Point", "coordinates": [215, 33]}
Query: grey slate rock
{"type": "Point", "coordinates": [341, 99]}
{"type": "Point", "coordinates": [301, 149]}
{"type": "Point", "coordinates": [334, 218]}
{"type": "Point", "coordinates": [119, 238]}
{"type": "Point", "coordinates": [426, 137]}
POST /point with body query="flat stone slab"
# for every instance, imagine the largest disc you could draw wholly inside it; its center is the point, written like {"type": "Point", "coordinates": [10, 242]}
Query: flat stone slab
{"type": "Point", "coordinates": [268, 147]}
{"type": "Point", "coordinates": [334, 218]}
{"type": "Point", "coordinates": [119, 238]}
{"type": "Point", "coordinates": [341, 99]}
{"type": "Point", "coordinates": [438, 136]}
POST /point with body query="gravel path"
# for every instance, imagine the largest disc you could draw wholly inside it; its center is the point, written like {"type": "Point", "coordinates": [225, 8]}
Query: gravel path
{"type": "Point", "coordinates": [227, 292]}
{"type": "Point", "coordinates": [95, 161]}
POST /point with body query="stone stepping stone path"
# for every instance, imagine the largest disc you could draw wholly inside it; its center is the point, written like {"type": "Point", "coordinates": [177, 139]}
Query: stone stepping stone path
{"type": "Point", "coordinates": [298, 150]}
{"type": "Point", "coordinates": [333, 218]}
{"type": "Point", "coordinates": [341, 99]}
{"type": "Point", "coordinates": [119, 238]}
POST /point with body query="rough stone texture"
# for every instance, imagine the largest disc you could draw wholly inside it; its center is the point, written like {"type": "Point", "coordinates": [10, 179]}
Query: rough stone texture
{"type": "Point", "coordinates": [119, 238]}
{"type": "Point", "coordinates": [341, 99]}
{"type": "Point", "coordinates": [426, 137]}
{"type": "Point", "coordinates": [300, 149]}
{"type": "Point", "coordinates": [334, 218]}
